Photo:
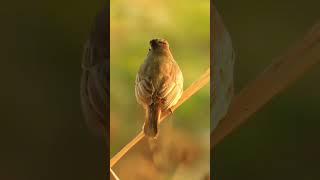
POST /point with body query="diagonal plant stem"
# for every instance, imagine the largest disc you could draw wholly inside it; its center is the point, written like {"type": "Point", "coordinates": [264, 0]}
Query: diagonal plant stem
{"type": "Point", "coordinates": [190, 91]}
{"type": "Point", "coordinates": [277, 77]}
{"type": "Point", "coordinates": [114, 175]}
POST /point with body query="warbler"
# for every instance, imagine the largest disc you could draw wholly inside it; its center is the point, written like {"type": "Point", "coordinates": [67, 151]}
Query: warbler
{"type": "Point", "coordinates": [158, 84]}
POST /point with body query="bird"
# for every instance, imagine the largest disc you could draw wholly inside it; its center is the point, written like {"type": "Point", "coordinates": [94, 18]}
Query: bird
{"type": "Point", "coordinates": [95, 78]}
{"type": "Point", "coordinates": [158, 84]}
{"type": "Point", "coordinates": [222, 63]}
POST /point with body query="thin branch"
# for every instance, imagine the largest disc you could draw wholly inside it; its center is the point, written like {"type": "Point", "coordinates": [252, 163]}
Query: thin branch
{"type": "Point", "coordinates": [191, 90]}
{"type": "Point", "coordinates": [283, 72]}
{"type": "Point", "coordinates": [114, 175]}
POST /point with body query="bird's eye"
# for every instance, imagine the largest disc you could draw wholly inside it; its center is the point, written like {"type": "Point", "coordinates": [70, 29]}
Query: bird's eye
{"type": "Point", "coordinates": [149, 49]}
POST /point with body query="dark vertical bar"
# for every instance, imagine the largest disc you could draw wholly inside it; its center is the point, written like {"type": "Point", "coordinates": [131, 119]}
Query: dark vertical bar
{"type": "Point", "coordinates": [95, 81]}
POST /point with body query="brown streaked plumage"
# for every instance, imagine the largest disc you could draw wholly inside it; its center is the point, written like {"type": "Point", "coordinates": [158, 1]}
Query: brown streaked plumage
{"type": "Point", "coordinates": [159, 84]}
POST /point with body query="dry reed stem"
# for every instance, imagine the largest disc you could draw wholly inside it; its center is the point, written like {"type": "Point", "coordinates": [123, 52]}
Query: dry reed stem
{"type": "Point", "coordinates": [279, 75]}
{"type": "Point", "coordinates": [191, 90]}
{"type": "Point", "coordinates": [114, 175]}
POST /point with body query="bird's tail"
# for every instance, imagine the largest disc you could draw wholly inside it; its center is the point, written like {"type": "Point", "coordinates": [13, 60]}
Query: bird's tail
{"type": "Point", "coordinates": [150, 127]}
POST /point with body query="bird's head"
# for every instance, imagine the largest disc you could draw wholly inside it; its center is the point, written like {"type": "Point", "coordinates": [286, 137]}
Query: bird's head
{"type": "Point", "coordinates": [158, 44]}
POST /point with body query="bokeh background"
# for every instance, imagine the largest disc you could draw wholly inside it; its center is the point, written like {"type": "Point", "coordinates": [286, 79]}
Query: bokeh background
{"type": "Point", "coordinates": [186, 26]}
{"type": "Point", "coordinates": [43, 133]}
{"type": "Point", "coordinates": [281, 140]}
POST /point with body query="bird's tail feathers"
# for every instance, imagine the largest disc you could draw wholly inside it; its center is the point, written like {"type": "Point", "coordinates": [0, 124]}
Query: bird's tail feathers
{"type": "Point", "coordinates": [150, 127]}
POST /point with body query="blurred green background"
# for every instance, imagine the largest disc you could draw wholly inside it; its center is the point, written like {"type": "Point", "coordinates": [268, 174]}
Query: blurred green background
{"type": "Point", "coordinates": [43, 134]}
{"type": "Point", "coordinates": [186, 26]}
{"type": "Point", "coordinates": [281, 140]}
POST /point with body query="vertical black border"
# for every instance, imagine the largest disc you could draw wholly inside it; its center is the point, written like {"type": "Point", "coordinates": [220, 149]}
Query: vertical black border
{"type": "Point", "coordinates": [108, 87]}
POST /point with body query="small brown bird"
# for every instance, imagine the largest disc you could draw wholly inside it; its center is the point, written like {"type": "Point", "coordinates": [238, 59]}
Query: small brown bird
{"type": "Point", "coordinates": [158, 85]}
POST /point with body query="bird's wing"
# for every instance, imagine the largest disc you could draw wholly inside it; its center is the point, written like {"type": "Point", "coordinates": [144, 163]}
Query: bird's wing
{"type": "Point", "coordinates": [144, 89]}
{"type": "Point", "coordinates": [171, 87]}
